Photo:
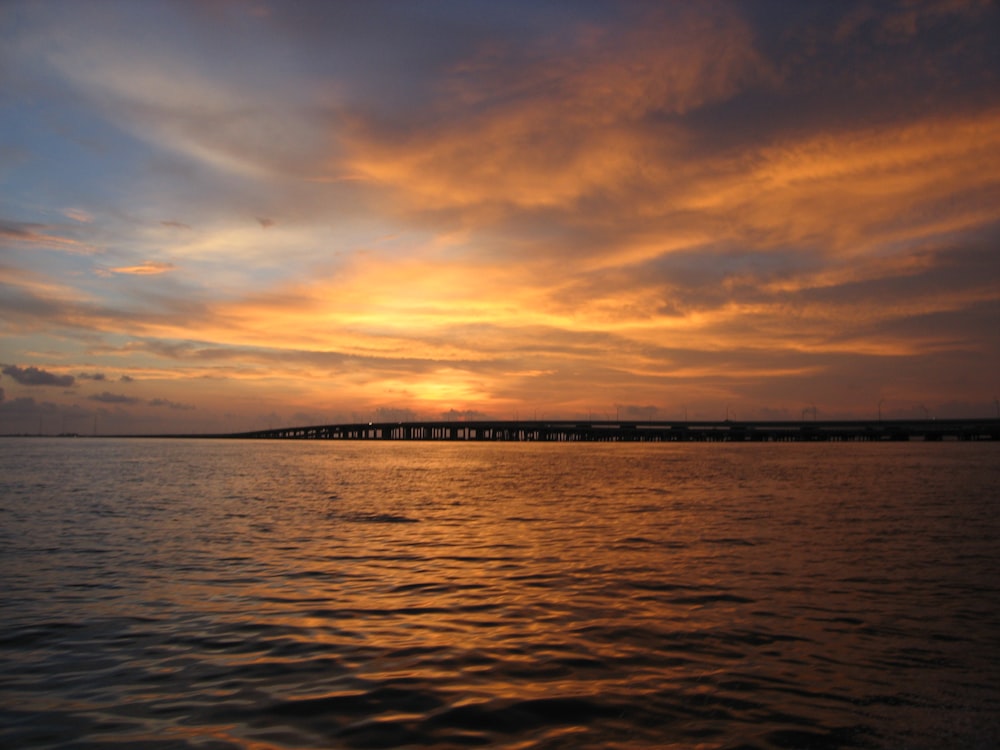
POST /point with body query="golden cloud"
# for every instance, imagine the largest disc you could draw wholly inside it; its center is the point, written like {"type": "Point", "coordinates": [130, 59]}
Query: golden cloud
{"type": "Point", "coordinates": [147, 268]}
{"type": "Point", "coordinates": [568, 124]}
{"type": "Point", "coordinates": [849, 192]}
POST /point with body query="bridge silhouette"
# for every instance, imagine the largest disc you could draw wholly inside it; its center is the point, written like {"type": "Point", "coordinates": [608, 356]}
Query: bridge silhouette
{"type": "Point", "coordinates": [641, 431]}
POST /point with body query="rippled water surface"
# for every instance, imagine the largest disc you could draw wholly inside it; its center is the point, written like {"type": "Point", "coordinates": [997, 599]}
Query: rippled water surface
{"type": "Point", "coordinates": [213, 594]}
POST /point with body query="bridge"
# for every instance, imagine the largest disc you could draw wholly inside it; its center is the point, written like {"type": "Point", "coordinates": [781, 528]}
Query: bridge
{"type": "Point", "coordinates": [643, 431]}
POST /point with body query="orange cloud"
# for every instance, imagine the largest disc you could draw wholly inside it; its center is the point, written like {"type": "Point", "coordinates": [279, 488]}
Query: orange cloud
{"type": "Point", "coordinates": [565, 126]}
{"type": "Point", "coordinates": [147, 268]}
{"type": "Point", "coordinates": [849, 192]}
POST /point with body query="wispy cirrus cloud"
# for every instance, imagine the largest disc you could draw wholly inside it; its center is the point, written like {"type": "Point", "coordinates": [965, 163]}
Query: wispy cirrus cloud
{"type": "Point", "coordinates": [41, 236]}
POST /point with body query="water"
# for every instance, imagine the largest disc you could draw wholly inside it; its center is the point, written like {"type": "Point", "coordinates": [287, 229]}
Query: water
{"type": "Point", "coordinates": [213, 594]}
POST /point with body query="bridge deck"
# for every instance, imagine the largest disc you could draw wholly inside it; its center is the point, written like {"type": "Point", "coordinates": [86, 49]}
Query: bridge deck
{"type": "Point", "coordinates": [645, 431]}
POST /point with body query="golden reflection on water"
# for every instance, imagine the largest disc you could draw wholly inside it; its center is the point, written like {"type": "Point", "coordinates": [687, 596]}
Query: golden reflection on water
{"type": "Point", "coordinates": [392, 595]}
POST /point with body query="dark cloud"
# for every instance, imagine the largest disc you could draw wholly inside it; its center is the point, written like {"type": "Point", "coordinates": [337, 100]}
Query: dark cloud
{"type": "Point", "coordinates": [169, 404]}
{"type": "Point", "coordinates": [126, 379]}
{"type": "Point", "coordinates": [32, 376]}
{"type": "Point", "coordinates": [265, 223]}
{"type": "Point", "coordinates": [92, 376]}
{"type": "Point", "coordinates": [847, 62]}
{"type": "Point", "coordinates": [114, 398]}
{"type": "Point", "coordinates": [175, 224]}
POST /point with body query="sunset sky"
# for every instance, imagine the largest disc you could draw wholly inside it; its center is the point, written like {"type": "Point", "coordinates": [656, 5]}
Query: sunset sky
{"type": "Point", "coordinates": [228, 215]}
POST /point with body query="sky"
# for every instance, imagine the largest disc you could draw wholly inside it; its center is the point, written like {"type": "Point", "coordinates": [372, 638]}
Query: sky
{"type": "Point", "coordinates": [228, 215]}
